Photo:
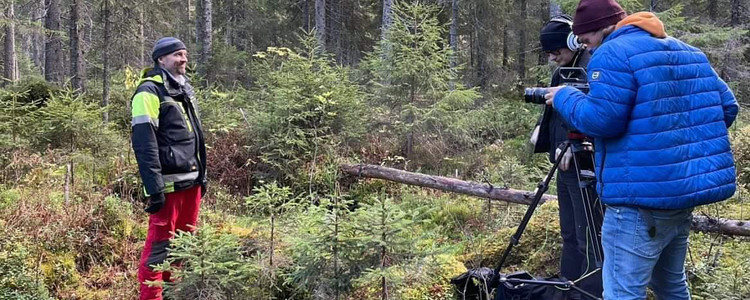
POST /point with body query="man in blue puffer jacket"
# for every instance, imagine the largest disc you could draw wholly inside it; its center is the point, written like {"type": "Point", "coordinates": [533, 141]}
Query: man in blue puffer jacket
{"type": "Point", "coordinates": [659, 115]}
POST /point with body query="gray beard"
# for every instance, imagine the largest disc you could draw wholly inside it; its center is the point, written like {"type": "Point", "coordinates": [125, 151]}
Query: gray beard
{"type": "Point", "coordinates": [180, 79]}
{"type": "Point", "coordinates": [177, 77]}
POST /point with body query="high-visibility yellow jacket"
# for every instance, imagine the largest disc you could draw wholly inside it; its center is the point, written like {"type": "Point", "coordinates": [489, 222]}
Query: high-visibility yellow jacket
{"type": "Point", "coordinates": [166, 134]}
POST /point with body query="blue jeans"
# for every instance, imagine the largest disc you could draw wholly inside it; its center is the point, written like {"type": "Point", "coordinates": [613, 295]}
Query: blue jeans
{"type": "Point", "coordinates": [634, 260]}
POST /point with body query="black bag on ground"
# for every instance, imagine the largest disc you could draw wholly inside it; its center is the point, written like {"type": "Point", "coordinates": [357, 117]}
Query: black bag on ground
{"type": "Point", "coordinates": [475, 285]}
{"type": "Point", "coordinates": [530, 291]}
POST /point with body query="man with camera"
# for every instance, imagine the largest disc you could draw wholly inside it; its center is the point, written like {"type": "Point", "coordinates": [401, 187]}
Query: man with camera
{"type": "Point", "coordinates": [550, 135]}
{"type": "Point", "coordinates": [659, 115]}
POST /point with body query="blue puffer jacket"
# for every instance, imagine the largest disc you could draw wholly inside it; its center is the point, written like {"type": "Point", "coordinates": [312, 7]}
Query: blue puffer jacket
{"type": "Point", "coordinates": [659, 115]}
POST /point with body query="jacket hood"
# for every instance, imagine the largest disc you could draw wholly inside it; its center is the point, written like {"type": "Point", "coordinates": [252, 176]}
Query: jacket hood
{"type": "Point", "coordinates": [150, 74]}
{"type": "Point", "coordinates": [646, 21]}
{"type": "Point", "coordinates": [161, 76]}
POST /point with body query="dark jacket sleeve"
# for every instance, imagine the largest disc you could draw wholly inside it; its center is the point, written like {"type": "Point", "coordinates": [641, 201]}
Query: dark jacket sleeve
{"type": "Point", "coordinates": [145, 122]}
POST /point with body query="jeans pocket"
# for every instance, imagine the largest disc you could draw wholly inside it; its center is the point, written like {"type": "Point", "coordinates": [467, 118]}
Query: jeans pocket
{"type": "Point", "coordinates": [643, 243]}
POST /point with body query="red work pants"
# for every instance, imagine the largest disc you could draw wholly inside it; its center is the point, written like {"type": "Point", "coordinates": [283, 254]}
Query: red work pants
{"type": "Point", "coordinates": [180, 210]}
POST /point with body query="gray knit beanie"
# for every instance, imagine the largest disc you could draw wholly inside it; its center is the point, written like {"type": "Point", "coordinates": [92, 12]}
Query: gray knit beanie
{"type": "Point", "coordinates": [165, 46]}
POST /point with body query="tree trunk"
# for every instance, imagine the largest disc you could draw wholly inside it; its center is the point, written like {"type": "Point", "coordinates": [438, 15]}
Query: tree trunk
{"type": "Point", "coordinates": [484, 190]}
{"type": "Point", "coordinates": [543, 17]}
{"type": "Point", "coordinates": [481, 40]}
{"type": "Point", "coordinates": [77, 64]}
{"type": "Point", "coordinates": [273, 227]}
{"type": "Point", "coordinates": [105, 60]}
{"type": "Point", "coordinates": [712, 9]}
{"type": "Point", "coordinates": [11, 70]}
{"type": "Point", "coordinates": [37, 36]}
{"type": "Point", "coordinates": [736, 16]}
{"type": "Point", "coordinates": [385, 26]}
{"type": "Point", "coordinates": [226, 8]}
{"type": "Point", "coordinates": [342, 19]}
{"type": "Point", "coordinates": [320, 24]}
{"type": "Point", "coordinates": [522, 39]}
{"type": "Point", "coordinates": [186, 32]}
{"type": "Point", "coordinates": [387, 18]}
{"type": "Point", "coordinates": [383, 249]}
{"type": "Point", "coordinates": [53, 57]}
{"type": "Point", "coordinates": [454, 32]}
{"type": "Point", "coordinates": [68, 179]}
{"type": "Point", "coordinates": [307, 15]}
{"type": "Point", "coordinates": [554, 9]}
{"type": "Point", "coordinates": [506, 46]}
{"type": "Point", "coordinates": [204, 36]}
{"type": "Point", "coordinates": [336, 211]}
{"type": "Point", "coordinates": [144, 58]}
{"type": "Point", "coordinates": [334, 28]}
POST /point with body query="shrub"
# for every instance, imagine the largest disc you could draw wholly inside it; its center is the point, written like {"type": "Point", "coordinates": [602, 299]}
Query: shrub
{"type": "Point", "coordinates": [18, 278]}
{"type": "Point", "coordinates": [208, 265]}
{"type": "Point", "coordinates": [303, 104]}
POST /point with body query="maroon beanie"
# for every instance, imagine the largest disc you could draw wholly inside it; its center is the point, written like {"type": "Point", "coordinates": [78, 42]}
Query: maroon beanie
{"type": "Point", "coordinates": [592, 15]}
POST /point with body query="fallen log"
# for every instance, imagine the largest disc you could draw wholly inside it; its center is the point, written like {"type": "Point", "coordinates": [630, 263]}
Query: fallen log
{"type": "Point", "coordinates": [705, 223]}
{"type": "Point", "coordinates": [482, 190]}
{"type": "Point", "coordinates": [701, 223]}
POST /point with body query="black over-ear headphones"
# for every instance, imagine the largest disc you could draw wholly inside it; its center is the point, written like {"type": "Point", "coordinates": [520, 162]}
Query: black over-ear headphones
{"type": "Point", "coordinates": [572, 41]}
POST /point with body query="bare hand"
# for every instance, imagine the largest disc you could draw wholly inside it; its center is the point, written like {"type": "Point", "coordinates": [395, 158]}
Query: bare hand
{"type": "Point", "coordinates": [550, 96]}
{"type": "Point", "coordinates": [565, 158]}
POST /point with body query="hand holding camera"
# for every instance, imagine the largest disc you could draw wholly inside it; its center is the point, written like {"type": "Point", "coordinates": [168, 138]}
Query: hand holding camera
{"type": "Point", "coordinates": [550, 96]}
{"type": "Point", "coordinates": [569, 76]}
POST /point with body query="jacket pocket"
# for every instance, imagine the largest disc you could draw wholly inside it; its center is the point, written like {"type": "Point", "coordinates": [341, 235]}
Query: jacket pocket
{"type": "Point", "coordinates": [185, 156]}
{"type": "Point", "coordinates": [178, 157]}
{"type": "Point", "coordinates": [174, 125]}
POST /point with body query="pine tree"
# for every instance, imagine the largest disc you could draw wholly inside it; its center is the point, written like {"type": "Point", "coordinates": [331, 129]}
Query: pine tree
{"type": "Point", "coordinates": [209, 265]}
{"type": "Point", "coordinates": [418, 71]}
{"type": "Point", "coordinates": [324, 248]}
{"type": "Point", "coordinates": [383, 228]}
{"type": "Point", "coordinates": [271, 200]}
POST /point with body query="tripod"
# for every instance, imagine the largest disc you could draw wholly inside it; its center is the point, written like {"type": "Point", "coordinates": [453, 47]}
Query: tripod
{"type": "Point", "coordinates": [583, 164]}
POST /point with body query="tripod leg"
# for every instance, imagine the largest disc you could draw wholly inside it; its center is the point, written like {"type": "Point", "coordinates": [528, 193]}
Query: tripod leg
{"type": "Point", "coordinates": [592, 208]}
{"type": "Point", "coordinates": [516, 237]}
{"type": "Point", "coordinates": [589, 205]}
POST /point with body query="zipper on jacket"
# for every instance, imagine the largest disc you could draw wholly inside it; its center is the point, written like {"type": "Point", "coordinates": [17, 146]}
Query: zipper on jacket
{"type": "Point", "coordinates": [197, 132]}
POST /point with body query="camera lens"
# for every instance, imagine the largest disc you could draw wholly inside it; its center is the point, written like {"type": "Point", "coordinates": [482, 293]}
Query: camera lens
{"type": "Point", "coordinates": [535, 95]}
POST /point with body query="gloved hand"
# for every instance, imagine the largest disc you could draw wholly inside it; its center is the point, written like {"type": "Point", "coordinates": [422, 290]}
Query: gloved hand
{"type": "Point", "coordinates": [565, 159]}
{"type": "Point", "coordinates": [155, 202]}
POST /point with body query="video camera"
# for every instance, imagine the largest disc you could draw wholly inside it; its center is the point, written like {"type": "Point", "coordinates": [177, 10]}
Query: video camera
{"type": "Point", "coordinates": [569, 76]}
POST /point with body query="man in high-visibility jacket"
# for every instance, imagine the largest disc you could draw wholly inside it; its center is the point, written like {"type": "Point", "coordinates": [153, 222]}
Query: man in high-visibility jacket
{"type": "Point", "coordinates": [171, 154]}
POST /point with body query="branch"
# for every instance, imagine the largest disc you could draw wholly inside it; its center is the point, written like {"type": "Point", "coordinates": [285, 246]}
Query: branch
{"type": "Point", "coordinates": [699, 223]}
